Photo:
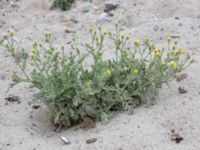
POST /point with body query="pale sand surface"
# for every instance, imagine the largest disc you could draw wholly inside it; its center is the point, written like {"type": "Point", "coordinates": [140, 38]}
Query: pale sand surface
{"type": "Point", "coordinates": [23, 128]}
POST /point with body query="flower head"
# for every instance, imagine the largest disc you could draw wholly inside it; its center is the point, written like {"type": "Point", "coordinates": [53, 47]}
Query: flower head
{"type": "Point", "coordinates": [11, 32]}
{"type": "Point", "coordinates": [173, 64]}
{"type": "Point", "coordinates": [135, 72]}
{"type": "Point", "coordinates": [105, 31]}
{"type": "Point", "coordinates": [158, 54]}
{"type": "Point", "coordinates": [32, 53]}
{"type": "Point", "coordinates": [108, 72]}
{"type": "Point", "coordinates": [62, 47]}
{"type": "Point", "coordinates": [136, 42]}
{"type": "Point", "coordinates": [48, 34]}
{"type": "Point", "coordinates": [169, 39]}
{"type": "Point", "coordinates": [127, 36]}
{"type": "Point", "coordinates": [172, 51]}
{"type": "Point", "coordinates": [180, 50]}
{"type": "Point", "coordinates": [101, 52]}
{"type": "Point", "coordinates": [31, 62]}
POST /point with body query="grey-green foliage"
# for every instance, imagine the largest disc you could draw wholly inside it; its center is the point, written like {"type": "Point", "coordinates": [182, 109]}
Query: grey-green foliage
{"type": "Point", "coordinates": [63, 4]}
{"type": "Point", "coordinates": [72, 91]}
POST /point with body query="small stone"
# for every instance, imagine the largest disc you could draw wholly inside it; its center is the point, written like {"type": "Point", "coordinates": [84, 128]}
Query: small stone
{"type": "Point", "coordinates": [181, 90]}
{"type": "Point", "coordinates": [111, 5]}
{"type": "Point", "coordinates": [175, 136]}
{"type": "Point", "coordinates": [92, 140]}
{"type": "Point", "coordinates": [36, 106]}
{"type": "Point", "coordinates": [177, 18]}
{"type": "Point", "coordinates": [110, 14]}
{"type": "Point", "coordinates": [181, 77]}
{"type": "Point", "coordinates": [3, 77]}
{"type": "Point", "coordinates": [13, 98]}
{"type": "Point", "coordinates": [34, 125]}
{"type": "Point", "coordinates": [74, 19]}
{"type": "Point", "coordinates": [156, 28]}
{"type": "Point", "coordinates": [102, 16]}
{"type": "Point", "coordinates": [180, 24]}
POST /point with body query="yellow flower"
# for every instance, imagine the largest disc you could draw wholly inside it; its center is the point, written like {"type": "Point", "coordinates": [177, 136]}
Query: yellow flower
{"type": "Point", "coordinates": [180, 50]}
{"type": "Point", "coordinates": [31, 62]}
{"type": "Point", "coordinates": [153, 46]}
{"type": "Point", "coordinates": [136, 42]}
{"type": "Point", "coordinates": [148, 40]}
{"type": "Point", "coordinates": [32, 54]}
{"type": "Point", "coordinates": [101, 52]}
{"type": "Point", "coordinates": [173, 64]}
{"type": "Point", "coordinates": [169, 39]}
{"type": "Point", "coordinates": [97, 38]}
{"type": "Point", "coordinates": [172, 51]}
{"type": "Point", "coordinates": [11, 32]}
{"type": "Point", "coordinates": [135, 72]}
{"type": "Point", "coordinates": [173, 47]}
{"type": "Point", "coordinates": [62, 47]}
{"type": "Point", "coordinates": [108, 72]}
{"type": "Point", "coordinates": [105, 31]}
{"type": "Point", "coordinates": [158, 54]}
{"type": "Point", "coordinates": [48, 34]}
{"type": "Point", "coordinates": [127, 36]}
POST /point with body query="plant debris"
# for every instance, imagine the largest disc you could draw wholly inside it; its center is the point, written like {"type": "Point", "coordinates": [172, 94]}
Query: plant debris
{"type": "Point", "coordinates": [92, 140]}
{"type": "Point", "coordinates": [13, 98]}
{"type": "Point", "coordinates": [175, 136]}
{"type": "Point", "coordinates": [181, 77]}
{"type": "Point", "coordinates": [181, 90]}
{"type": "Point", "coordinates": [88, 123]}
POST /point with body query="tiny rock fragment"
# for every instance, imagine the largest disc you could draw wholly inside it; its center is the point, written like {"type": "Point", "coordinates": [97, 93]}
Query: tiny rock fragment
{"type": "Point", "coordinates": [88, 123]}
{"type": "Point", "coordinates": [181, 90]}
{"type": "Point", "coordinates": [92, 140]}
{"type": "Point", "coordinates": [111, 5]}
{"type": "Point", "coordinates": [65, 140]}
{"type": "Point", "coordinates": [69, 31]}
{"type": "Point", "coordinates": [175, 136]}
{"type": "Point", "coordinates": [102, 16]}
{"type": "Point", "coordinates": [13, 98]}
{"type": "Point", "coordinates": [181, 77]}
{"type": "Point", "coordinates": [36, 106]}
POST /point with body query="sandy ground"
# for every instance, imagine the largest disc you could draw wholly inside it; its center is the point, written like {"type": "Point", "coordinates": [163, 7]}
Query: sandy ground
{"type": "Point", "coordinates": [148, 128]}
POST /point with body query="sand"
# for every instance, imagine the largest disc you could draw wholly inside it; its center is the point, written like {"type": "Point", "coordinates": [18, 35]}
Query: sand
{"type": "Point", "coordinates": [148, 128]}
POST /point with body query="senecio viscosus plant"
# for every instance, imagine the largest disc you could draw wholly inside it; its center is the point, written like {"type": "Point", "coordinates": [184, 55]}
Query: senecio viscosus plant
{"type": "Point", "coordinates": [72, 91]}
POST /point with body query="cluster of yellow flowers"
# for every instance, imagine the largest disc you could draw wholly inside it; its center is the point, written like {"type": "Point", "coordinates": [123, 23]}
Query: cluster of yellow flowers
{"type": "Point", "coordinates": [32, 56]}
{"type": "Point", "coordinates": [157, 52]}
{"type": "Point", "coordinates": [135, 72]}
{"type": "Point", "coordinates": [108, 72]}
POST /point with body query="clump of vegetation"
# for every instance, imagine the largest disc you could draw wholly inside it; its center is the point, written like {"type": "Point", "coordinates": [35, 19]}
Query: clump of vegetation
{"type": "Point", "coordinates": [72, 91]}
{"type": "Point", "coordinates": [63, 4]}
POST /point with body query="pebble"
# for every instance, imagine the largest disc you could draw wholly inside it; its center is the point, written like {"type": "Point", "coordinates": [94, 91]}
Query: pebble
{"type": "Point", "coordinates": [102, 16]}
{"type": "Point", "coordinates": [180, 24]}
{"type": "Point", "coordinates": [177, 18]}
{"type": "Point", "coordinates": [181, 90]}
{"type": "Point", "coordinates": [74, 19]}
{"type": "Point", "coordinates": [111, 5]}
{"type": "Point", "coordinates": [92, 140]}
{"type": "Point", "coordinates": [156, 28]}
